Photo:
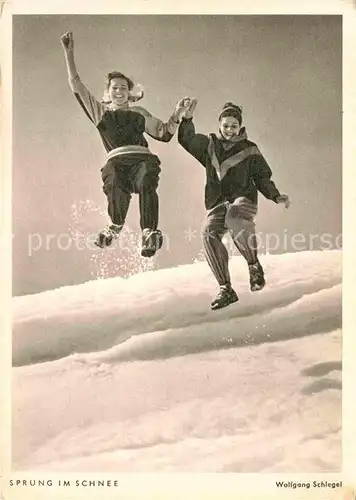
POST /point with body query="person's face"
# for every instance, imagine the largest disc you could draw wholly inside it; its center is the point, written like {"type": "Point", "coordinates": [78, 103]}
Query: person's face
{"type": "Point", "coordinates": [229, 127]}
{"type": "Point", "coordinates": [118, 91]}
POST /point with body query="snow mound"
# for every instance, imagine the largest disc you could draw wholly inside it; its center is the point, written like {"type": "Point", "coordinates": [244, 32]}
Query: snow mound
{"type": "Point", "coordinates": [138, 375]}
{"type": "Point", "coordinates": [166, 313]}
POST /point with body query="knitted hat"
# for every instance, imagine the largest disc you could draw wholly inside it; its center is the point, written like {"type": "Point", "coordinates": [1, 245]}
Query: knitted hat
{"type": "Point", "coordinates": [231, 109]}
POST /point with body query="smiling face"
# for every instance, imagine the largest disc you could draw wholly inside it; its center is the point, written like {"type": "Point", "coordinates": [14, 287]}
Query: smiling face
{"type": "Point", "coordinates": [229, 127]}
{"type": "Point", "coordinates": [118, 92]}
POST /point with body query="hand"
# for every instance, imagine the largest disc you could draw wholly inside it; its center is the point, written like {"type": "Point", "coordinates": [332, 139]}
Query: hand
{"type": "Point", "coordinates": [192, 105]}
{"type": "Point", "coordinates": [283, 198]}
{"type": "Point", "coordinates": [182, 106]}
{"type": "Point", "coordinates": [67, 40]}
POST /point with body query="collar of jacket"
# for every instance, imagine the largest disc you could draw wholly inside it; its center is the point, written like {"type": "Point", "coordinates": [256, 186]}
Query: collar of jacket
{"type": "Point", "coordinates": [123, 107]}
{"type": "Point", "coordinates": [242, 135]}
{"type": "Point", "coordinates": [232, 161]}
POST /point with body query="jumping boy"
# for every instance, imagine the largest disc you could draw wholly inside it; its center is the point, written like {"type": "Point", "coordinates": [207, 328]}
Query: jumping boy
{"type": "Point", "coordinates": [130, 167]}
{"type": "Point", "coordinates": [235, 172]}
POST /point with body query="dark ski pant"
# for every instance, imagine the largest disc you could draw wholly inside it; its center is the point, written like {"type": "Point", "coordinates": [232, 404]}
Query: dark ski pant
{"type": "Point", "coordinates": [120, 181]}
{"type": "Point", "coordinates": [238, 219]}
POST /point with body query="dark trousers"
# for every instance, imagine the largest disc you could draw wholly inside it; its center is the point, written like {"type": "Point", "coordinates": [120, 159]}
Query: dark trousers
{"type": "Point", "coordinates": [120, 181]}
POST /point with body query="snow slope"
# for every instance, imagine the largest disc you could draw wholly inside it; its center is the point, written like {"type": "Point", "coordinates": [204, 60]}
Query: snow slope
{"type": "Point", "coordinates": [132, 375]}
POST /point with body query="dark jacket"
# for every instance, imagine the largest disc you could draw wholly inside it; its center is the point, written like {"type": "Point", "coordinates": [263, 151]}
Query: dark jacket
{"type": "Point", "coordinates": [123, 127]}
{"type": "Point", "coordinates": [238, 171]}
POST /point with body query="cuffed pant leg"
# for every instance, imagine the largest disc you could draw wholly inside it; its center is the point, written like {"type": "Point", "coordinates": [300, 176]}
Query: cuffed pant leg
{"type": "Point", "coordinates": [214, 250]}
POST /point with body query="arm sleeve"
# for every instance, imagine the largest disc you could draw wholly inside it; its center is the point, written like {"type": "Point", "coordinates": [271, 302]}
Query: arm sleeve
{"type": "Point", "coordinates": [262, 176]}
{"type": "Point", "coordinates": [156, 128]}
{"type": "Point", "coordinates": [92, 108]}
{"type": "Point", "coordinates": [195, 144]}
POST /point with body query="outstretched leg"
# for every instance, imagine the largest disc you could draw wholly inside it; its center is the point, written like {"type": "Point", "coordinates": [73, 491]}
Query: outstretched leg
{"type": "Point", "coordinates": [214, 250]}
{"type": "Point", "coordinates": [118, 204]}
{"type": "Point", "coordinates": [217, 255]}
{"type": "Point", "coordinates": [145, 178]}
{"type": "Point", "coordinates": [240, 220]}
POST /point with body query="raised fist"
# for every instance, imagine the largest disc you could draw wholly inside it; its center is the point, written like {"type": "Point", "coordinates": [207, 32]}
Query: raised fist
{"type": "Point", "coordinates": [67, 40]}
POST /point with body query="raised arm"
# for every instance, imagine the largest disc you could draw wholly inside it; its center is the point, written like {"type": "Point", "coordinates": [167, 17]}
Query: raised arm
{"type": "Point", "coordinates": [195, 144]}
{"type": "Point", "coordinates": [93, 108]}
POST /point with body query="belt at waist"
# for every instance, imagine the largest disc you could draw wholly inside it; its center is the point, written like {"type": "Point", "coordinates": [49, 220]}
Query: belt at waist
{"type": "Point", "coordinates": [127, 150]}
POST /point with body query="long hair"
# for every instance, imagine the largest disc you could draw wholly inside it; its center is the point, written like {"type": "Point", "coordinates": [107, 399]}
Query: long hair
{"type": "Point", "coordinates": [116, 74]}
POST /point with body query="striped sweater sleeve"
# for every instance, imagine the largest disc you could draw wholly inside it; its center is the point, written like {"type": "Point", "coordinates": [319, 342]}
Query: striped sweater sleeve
{"type": "Point", "coordinates": [156, 128]}
{"type": "Point", "coordinates": [92, 108]}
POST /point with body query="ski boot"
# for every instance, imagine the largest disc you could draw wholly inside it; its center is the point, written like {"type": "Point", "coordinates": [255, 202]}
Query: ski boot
{"type": "Point", "coordinates": [152, 240]}
{"type": "Point", "coordinates": [257, 278]}
{"type": "Point", "coordinates": [225, 297]}
{"type": "Point", "coordinates": [107, 236]}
